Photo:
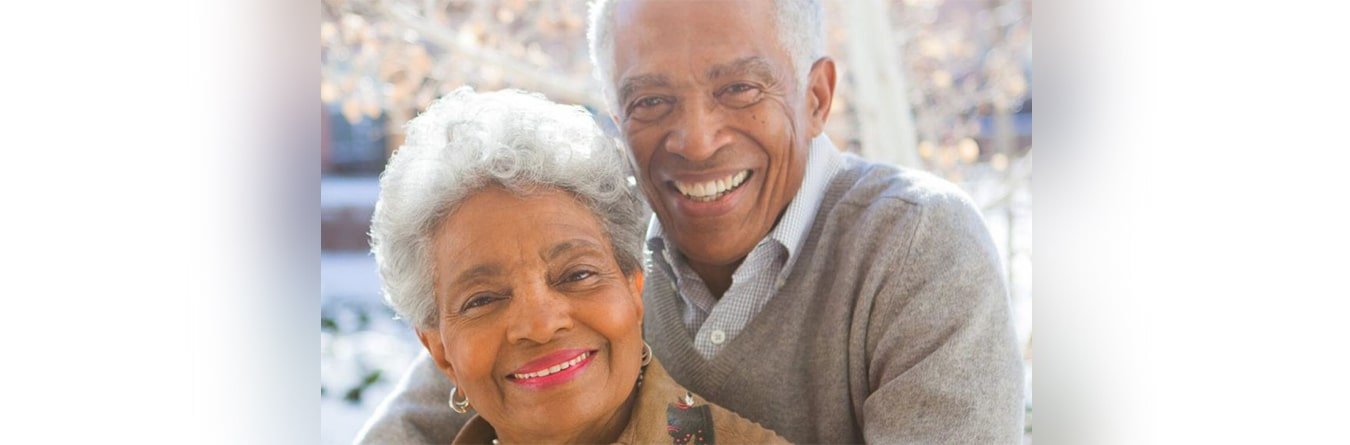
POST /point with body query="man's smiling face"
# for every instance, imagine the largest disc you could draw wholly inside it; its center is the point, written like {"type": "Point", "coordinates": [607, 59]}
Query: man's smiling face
{"type": "Point", "coordinates": [720, 131]}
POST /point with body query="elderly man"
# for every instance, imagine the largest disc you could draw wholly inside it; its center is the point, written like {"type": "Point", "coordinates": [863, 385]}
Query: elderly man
{"type": "Point", "coordinates": [828, 298]}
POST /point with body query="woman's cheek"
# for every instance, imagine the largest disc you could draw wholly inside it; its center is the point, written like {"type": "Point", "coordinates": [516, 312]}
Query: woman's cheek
{"type": "Point", "coordinates": [622, 311]}
{"type": "Point", "coordinates": [474, 353]}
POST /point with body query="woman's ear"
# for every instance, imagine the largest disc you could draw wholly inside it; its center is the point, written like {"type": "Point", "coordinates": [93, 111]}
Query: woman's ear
{"type": "Point", "coordinates": [635, 287]}
{"type": "Point", "coordinates": [431, 339]}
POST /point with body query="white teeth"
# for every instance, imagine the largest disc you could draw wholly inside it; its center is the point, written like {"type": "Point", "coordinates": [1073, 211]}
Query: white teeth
{"type": "Point", "coordinates": [554, 368]}
{"type": "Point", "coordinates": [709, 190]}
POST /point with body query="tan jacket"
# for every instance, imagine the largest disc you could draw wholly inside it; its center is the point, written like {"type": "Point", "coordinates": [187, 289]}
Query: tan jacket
{"type": "Point", "coordinates": [658, 395]}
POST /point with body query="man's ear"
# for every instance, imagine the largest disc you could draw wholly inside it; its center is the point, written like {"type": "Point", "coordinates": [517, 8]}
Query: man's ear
{"type": "Point", "coordinates": [431, 339]}
{"type": "Point", "coordinates": [819, 94]}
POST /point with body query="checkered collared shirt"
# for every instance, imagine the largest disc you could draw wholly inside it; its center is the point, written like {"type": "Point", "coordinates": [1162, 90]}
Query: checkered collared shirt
{"type": "Point", "coordinates": [714, 323]}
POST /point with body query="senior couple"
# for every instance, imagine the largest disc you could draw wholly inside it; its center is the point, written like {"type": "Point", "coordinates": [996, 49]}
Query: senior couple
{"type": "Point", "coordinates": [782, 291]}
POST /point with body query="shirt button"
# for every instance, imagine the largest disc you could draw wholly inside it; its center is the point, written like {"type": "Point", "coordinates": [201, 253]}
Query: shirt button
{"type": "Point", "coordinates": [717, 337]}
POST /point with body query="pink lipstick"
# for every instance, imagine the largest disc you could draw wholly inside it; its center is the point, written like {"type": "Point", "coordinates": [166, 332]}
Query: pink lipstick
{"type": "Point", "coordinates": [552, 369]}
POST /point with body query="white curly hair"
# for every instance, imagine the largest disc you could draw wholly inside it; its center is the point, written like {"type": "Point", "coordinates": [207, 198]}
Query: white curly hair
{"type": "Point", "coordinates": [467, 141]}
{"type": "Point", "coordinates": [799, 24]}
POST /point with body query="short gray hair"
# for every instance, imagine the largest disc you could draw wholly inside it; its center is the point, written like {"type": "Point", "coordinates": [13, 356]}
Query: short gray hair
{"type": "Point", "coordinates": [799, 24]}
{"type": "Point", "coordinates": [468, 141]}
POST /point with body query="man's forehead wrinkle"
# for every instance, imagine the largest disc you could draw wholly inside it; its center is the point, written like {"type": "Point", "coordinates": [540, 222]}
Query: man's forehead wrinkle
{"type": "Point", "coordinates": [755, 65]}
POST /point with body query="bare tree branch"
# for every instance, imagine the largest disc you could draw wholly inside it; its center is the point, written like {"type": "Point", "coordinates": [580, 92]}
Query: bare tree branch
{"type": "Point", "coordinates": [521, 75]}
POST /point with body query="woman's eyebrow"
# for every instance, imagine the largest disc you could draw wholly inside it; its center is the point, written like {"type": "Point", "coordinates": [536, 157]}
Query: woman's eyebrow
{"type": "Point", "coordinates": [568, 246]}
{"type": "Point", "coordinates": [477, 272]}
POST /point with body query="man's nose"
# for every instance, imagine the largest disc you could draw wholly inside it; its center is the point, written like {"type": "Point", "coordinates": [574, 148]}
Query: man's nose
{"type": "Point", "coordinates": [540, 313]}
{"type": "Point", "coordinates": [701, 131]}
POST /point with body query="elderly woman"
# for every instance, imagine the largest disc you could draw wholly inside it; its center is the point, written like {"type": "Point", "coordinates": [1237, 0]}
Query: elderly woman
{"type": "Point", "coordinates": [508, 234]}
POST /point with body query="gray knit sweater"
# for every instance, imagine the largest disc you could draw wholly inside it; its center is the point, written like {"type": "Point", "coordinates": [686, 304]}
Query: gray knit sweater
{"type": "Point", "coordinates": [893, 327]}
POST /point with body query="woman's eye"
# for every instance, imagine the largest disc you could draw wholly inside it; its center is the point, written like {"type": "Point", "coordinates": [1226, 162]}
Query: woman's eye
{"type": "Point", "coordinates": [479, 301]}
{"type": "Point", "coordinates": [578, 276]}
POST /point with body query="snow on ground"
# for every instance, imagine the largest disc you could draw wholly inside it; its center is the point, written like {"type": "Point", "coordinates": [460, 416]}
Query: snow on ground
{"type": "Point", "coordinates": [366, 339]}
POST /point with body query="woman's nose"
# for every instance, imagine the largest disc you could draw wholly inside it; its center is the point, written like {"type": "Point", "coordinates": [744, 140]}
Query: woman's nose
{"type": "Point", "coordinates": [541, 315]}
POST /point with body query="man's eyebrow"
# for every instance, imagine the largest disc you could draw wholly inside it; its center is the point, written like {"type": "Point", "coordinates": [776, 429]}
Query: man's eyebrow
{"type": "Point", "coordinates": [568, 246]}
{"type": "Point", "coordinates": [753, 65]}
{"type": "Point", "coordinates": [632, 84]}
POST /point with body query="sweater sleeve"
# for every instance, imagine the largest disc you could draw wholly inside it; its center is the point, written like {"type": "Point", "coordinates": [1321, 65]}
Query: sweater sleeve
{"type": "Point", "coordinates": [942, 361]}
{"type": "Point", "coordinates": [416, 412]}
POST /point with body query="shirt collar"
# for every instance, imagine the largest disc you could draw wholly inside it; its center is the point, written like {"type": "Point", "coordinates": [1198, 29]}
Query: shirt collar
{"type": "Point", "coordinates": [822, 162]}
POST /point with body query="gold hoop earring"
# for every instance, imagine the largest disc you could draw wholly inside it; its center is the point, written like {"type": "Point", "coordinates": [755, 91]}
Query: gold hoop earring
{"type": "Point", "coordinates": [646, 360]}
{"type": "Point", "coordinates": [459, 407]}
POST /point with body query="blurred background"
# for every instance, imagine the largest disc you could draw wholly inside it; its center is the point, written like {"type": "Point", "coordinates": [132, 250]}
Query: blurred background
{"type": "Point", "coordinates": [940, 85]}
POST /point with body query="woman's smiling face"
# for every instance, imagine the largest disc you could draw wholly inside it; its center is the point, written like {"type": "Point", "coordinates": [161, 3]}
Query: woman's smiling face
{"type": "Point", "coordinates": [538, 326]}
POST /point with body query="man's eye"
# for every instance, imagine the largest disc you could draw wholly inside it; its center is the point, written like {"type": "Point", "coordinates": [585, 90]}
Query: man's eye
{"type": "Point", "coordinates": [649, 108]}
{"type": "Point", "coordinates": [739, 88]}
{"type": "Point", "coordinates": [649, 102]}
{"type": "Point", "coordinates": [740, 95]}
